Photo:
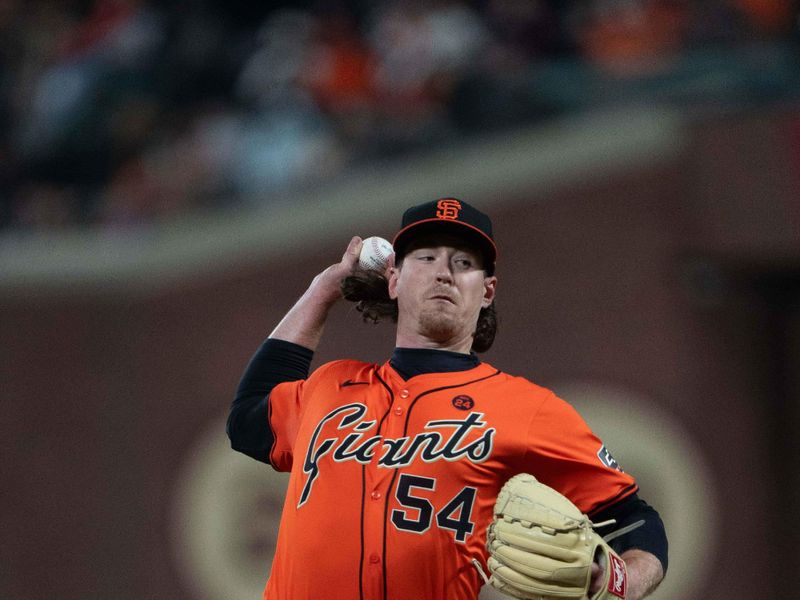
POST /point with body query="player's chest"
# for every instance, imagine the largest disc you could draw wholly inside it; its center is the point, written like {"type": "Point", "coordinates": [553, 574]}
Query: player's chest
{"type": "Point", "coordinates": [396, 427]}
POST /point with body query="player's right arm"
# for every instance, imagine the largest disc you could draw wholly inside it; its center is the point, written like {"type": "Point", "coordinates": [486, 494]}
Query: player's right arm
{"type": "Point", "coordinates": [276, 361]}
{"type": "Point", "coordinates": [304, 322]}
{"type": "Point", "coordinates": [285, 356]}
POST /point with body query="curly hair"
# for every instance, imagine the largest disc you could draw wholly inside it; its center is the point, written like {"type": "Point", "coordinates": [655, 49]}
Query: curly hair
{"type": "Point", "coordinates": [370, 292]}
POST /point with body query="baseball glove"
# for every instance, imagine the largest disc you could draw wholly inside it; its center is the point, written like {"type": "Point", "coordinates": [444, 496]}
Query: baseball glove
{"type": "Point", "coordinates": [541, 546]}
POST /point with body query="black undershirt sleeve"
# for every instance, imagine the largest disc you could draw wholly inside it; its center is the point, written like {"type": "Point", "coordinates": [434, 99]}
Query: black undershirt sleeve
{"type": "Point", "coordinates": [275, 361]}
{"type": "Point", "coordinates": [650, 537]}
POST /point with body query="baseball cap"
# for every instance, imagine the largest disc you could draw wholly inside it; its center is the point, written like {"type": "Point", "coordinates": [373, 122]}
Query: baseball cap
{"type": "Point", "coordinates": [448, 215]}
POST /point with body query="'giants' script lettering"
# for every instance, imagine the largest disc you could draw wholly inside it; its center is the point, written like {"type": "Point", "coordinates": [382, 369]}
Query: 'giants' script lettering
{"type": "Point", "coordinates": [441, 440]}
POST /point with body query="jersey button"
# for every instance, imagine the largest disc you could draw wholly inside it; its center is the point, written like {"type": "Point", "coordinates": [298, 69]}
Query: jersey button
{"type": "Point", "coordinates": [376, 495]}
{"type": "Point", "coordinates": [398, 410]}
{"type": "Point", "coordinates": [404, 393]}
{"type": "Point", "coordinates": [374, 559]}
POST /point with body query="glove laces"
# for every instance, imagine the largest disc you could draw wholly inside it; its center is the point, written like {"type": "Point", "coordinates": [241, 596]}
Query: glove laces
{"type": "Point", "coordinates": [619, 532]}
{"type": "Point", "coordinates": [481, 572]}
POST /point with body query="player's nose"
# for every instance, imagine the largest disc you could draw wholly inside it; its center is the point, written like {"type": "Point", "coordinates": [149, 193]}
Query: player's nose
{"type": "Point", "coordinates": [444, 274]}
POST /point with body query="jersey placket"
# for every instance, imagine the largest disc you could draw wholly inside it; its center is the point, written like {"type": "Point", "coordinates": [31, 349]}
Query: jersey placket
{"type": "Point", "coordinates": [377, 481]}
{"type": "Point", "coordinates": [381, 484]}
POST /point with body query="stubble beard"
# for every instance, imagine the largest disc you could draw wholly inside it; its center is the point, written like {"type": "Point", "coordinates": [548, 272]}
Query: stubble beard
{"type": "Point", "coordinates": [438, 325]}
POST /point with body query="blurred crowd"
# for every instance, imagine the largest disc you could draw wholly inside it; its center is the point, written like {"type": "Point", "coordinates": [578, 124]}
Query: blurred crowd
{"type": "Point", "coordinates": [122, 113]}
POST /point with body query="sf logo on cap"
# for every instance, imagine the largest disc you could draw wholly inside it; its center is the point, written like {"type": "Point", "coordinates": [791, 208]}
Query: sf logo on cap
{"type": "Point", "coordinates": [448, 209]}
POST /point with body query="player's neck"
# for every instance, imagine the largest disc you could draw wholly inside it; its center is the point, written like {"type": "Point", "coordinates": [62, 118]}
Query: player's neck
{"type": "Point", "coordinates": [416, 340]}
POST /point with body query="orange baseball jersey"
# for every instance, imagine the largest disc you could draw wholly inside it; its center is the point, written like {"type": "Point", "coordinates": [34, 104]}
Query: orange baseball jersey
{"type": "Point", "coordinates": [393, 482]}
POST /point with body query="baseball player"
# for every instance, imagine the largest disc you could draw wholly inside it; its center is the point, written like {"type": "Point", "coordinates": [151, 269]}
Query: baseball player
{"type": "Point", "coordinates": [395, 468]}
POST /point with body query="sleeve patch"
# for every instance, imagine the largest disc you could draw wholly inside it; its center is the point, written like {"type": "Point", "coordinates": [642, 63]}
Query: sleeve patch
{"type": "Point", "coordinates": [609, 461]}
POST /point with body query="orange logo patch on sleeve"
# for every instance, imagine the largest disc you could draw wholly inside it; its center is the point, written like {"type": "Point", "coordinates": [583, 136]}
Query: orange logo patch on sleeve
{"type": "Point", "coordinates": [448, 209]}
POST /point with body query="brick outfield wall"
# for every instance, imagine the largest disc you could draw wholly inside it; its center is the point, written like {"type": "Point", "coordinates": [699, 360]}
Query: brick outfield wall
{"type": "Point", "coordinates": [104, 396]}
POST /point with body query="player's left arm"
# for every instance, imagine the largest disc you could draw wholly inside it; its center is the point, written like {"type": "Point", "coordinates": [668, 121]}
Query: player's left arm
{"type": "Point", "coordinates": [644, 549]}
{"type": "Point", "coordinates": [559, 437]}
{"type": "Point", "coordinates": [644, 573]}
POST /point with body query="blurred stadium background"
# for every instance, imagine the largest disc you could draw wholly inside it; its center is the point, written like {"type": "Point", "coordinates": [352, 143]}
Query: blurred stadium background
{"type": "Point", "coordinates": [173, 174]}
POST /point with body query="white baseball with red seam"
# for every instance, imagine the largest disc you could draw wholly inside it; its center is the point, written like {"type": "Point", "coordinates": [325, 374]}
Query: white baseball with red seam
{"type": "Point", "coordinates": [375, 253]}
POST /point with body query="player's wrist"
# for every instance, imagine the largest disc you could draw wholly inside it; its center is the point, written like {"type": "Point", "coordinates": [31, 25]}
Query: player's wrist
{"type": "Point", "coordinates": [644, 573]}
{"type": "Point", "coordinates": [325, 289]}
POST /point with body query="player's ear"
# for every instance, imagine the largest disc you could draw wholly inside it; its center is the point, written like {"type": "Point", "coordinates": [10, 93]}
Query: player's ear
{"type": "Point", "coordinates": [392, 274]}
{"type": "Point", "coordinates": [489, 290]}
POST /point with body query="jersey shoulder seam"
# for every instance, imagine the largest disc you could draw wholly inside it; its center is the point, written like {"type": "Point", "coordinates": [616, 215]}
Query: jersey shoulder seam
{"type": "Point", "coordinates": [541, 393]}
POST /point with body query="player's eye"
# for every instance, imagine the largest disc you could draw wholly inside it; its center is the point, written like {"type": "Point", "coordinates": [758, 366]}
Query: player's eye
{"type": "Point", "coordinates": [463, 263]}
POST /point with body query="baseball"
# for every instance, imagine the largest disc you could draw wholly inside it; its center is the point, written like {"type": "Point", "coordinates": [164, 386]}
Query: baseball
{"type": "Point", "coordinates": [375, 254]}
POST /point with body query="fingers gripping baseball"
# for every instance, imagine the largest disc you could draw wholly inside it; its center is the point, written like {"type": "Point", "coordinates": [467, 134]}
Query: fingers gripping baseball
{"type": "Point", "coordinates": [351, 254]}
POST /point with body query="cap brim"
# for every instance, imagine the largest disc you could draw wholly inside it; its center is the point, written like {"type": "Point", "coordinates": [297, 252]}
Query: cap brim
{"type": "Point", "coordinates": [472, 235]}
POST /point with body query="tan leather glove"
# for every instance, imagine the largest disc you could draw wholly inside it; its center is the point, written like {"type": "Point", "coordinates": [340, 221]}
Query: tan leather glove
{"type": "Point", "coordinates": [541, 547]}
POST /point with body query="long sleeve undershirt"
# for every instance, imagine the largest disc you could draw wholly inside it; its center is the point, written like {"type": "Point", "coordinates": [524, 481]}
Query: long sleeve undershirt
{"type": "Point", "coordinates": [277, 361]}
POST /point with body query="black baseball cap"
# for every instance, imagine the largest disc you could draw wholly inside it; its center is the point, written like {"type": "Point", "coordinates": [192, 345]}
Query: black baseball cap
{"type": "Point", "coordinates": [448, 215]}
